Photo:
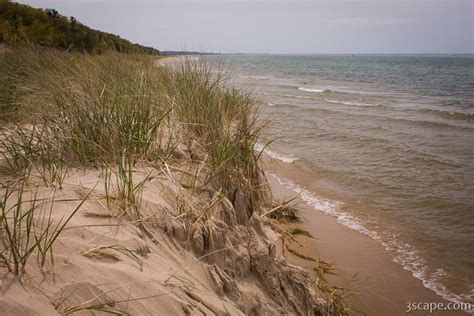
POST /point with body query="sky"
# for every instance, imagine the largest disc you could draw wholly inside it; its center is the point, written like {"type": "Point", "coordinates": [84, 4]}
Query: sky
{"type": "Point", "coordinates": [283, 26]}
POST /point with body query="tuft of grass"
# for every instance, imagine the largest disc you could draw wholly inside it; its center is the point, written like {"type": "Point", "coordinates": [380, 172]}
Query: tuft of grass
{"type": "Point", "coordinates": [323, 267]}
{"type": "Point", "coordinates": [24, 149]}
{"type": "Point", "coordinates": [17, 151]}
{"type": "Point", "coordinates": [121, 249]}
{"type": "Point", "coordinates": [287, 214]}
{"type": "Point", "coordinates": [16, 225]}
{"type": "Point", "coordinates": [47, 231]}
{"type": "Point", "coordinates": [299, 254]}
{"type": "Point", "coordinates": [110, 107]}
{"type": "Point", "coordinates": [338, 299]}
{"type": "Point", "coordinates": [128, 189]}
{"type": "Point", "coordinates": [223, 120]}
{"type": "Point", "coordinates": [89, 109]}
{"type": "Point", "coordinates": [22, 234]}
{"type": "Point", "coordinates": [28, 79]}
{"type": "Point", "coordinates": [299, 232]}
{"type": "Point", "coordinates": [93, 305]}
{"type": "Point", "coordinates": [123, 189]}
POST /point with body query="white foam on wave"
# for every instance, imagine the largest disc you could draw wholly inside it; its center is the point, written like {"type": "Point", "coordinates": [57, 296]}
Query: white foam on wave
{"type": "Point", "coordinates": [292, 96]}
{"type": "Point", "coordinates": [350, 103]}
{"type": "Point", "coordinates": [276, 155]}
{"type": "Point", "coordinates": [403, 254]}
{"type": "Point", "coordinates": [311, 90]}
{"type": "Point", "coordinates": [297, 96]}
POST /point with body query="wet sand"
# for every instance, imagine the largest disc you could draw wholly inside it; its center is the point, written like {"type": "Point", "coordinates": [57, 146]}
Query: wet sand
{"type": "Point", "coordinates": [381, 286]}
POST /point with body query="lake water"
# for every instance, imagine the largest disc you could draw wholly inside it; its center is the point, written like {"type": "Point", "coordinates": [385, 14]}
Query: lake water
{"type": "Point", "coordinates": [389, 144]}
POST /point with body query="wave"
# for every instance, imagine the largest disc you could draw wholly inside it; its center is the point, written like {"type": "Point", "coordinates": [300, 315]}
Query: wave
{"type": "Point", "coordinates": [424, 122]}
{"type": "Point", "coordinates": [311, 90]}
{"type": "Point", "coordinates": [452, 115]}
{"type": "Point", "coordinates": [326, 94]}
{"type": "Point", "coordinates": [291, 96]}
{"type": "Point", "coordinates": [351, 103]}
{"type": "Point", "coordinates": [276, 155]}
{"type": "Point", "coordinates": [403, 254]}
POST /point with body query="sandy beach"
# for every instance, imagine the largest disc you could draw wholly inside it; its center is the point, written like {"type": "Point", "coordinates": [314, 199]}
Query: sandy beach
{"type": "Point", "coordinates": [377, 285]}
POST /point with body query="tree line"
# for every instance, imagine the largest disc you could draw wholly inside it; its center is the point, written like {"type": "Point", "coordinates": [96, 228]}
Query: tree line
{"type": "Point", "coordinates": [23, 25]}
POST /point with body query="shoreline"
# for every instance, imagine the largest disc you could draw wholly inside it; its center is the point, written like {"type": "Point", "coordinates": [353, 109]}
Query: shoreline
{"type": "Point", "coordinates": [391, 280]}
{"type": "Point", "coordinates": [379, 285]}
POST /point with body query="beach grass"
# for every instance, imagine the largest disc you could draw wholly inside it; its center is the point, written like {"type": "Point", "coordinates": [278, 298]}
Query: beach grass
{"type": "Point", "coordinates": [28, 227]}
{"type": "Point", "coordinates": [223, 120]}
{"type": "Point", "coordinates": [96, 110]}
{"type": "Point", "coordinates": [132, 120]}
{"type": "Point", "coordinates": [65, 111]}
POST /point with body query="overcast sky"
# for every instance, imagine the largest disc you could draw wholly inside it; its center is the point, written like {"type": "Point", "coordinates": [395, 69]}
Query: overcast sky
{"type": "Point", "coordinates": [282, 26]}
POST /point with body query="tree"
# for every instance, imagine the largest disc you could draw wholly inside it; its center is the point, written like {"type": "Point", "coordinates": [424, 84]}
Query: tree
{"type": "Point", "coordinates": [21, 25]}
{"type": "Point", "coordinates": [73, 21]}
{"type": "Point", "coordinates": [52, 13]}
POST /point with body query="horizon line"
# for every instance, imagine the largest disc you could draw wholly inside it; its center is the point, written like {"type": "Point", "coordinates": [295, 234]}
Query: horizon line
{"type": "Point", "coordinates": [272, 53]}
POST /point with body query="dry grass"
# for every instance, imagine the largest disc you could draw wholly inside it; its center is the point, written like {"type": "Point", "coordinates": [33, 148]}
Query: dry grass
{"type": "Point", "coordinates": [223, 122]}
{"type": "Point", "coordinates": [287, 214]}
{"type": "Point", "coordinates": [103, 251]}
{"type": "Point", "coordinates": [65, 111]}
{"type": "Point", "coordinates": [103, 110]}
{"type": "Point", "coordinates": [27, 227]}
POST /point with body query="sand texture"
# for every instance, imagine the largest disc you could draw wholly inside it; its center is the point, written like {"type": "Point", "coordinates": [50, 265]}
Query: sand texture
{"type": "Point", "coordinates": [225, 265]}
